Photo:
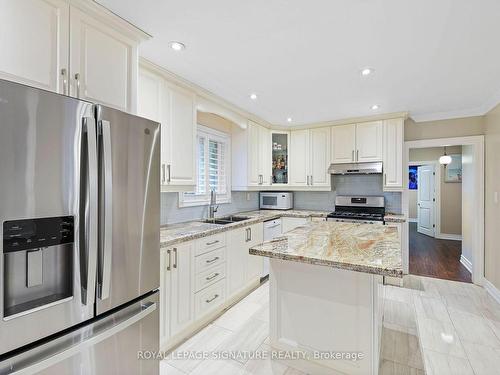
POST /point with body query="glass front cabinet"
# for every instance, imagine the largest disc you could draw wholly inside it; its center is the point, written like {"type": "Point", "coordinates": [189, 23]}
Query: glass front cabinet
{"type": "Point", "coordinates": [279, 143]}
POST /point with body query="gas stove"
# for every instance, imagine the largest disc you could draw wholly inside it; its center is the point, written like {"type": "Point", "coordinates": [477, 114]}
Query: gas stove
{"type": "Point", "coordinates": [358, 209]}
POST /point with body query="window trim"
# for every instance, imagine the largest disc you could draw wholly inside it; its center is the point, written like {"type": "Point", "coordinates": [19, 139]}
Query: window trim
{"type": "Point", "coordinates": [202, 200]}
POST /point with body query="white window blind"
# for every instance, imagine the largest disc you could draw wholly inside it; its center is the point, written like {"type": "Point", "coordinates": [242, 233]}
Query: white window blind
{"type": "Point", "coordinates": [212, 168]}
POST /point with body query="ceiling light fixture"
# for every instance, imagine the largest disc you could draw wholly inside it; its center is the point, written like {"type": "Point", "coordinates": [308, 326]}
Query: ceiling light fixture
{"type": "Point", "coordinates": [445, 159]}
{"type": "Point", "coordinates": [375, 107]}
{"type": "Point", "coordinates": [177, 46]}
{"type": "Point", "coordinates": [289, 119]}
{"type": "Point", "coordinates": [253, 96]}
{"type": "Point", "coordinates": [366, 71]}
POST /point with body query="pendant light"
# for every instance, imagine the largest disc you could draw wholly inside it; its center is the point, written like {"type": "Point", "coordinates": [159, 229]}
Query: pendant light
{"type": "Point", "coordinates": [445, 159]}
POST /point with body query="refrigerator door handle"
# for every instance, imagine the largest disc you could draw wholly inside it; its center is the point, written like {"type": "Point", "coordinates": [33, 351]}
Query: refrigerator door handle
{"type": "Point", "coordinates": [107, 246]}
{"type": "Point", "coordinates": [88, 221]}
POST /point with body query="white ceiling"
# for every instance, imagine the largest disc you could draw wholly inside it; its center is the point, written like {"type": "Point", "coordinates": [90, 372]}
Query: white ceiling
{"type": "Point", "coordinates": [434, 58]}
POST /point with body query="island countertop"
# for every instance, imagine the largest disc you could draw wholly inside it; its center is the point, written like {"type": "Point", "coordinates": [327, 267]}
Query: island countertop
{"type": "Point", "coordinates": [365, 248]}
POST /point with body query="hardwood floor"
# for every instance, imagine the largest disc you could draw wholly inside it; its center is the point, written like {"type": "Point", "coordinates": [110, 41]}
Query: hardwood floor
{"type": "Point", "coordinates": [436, 258]}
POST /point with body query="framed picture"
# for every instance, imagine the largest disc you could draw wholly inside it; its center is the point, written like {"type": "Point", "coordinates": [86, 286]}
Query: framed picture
{"type": "Point", "coordinates": [453, 171]}
{"type": "Point", "coordinates": [413, 177]}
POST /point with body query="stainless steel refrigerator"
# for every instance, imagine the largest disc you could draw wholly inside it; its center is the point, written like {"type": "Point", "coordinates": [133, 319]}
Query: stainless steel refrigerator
{"type": "Point", "coordinates": [79, 230]}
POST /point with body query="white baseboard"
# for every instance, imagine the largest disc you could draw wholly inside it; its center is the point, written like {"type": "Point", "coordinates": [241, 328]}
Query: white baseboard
{"type": "Point", "coordinates": [412, 220]}
{"type": "Point", "coordinates": [492, 290]}
{"type": "Point", "coordinates": [445, 236]}
{"type": "Point", "coordinates": [466, 262]}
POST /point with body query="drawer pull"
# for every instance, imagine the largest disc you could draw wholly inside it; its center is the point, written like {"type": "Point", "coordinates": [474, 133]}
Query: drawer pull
{"type": "Point", "coordinates": [212, 243]}
{"type": "Point", "coordinates": [212, 260]}
{"type": "Point", "coordinates": [212, 277]}
{"type": "Point", "coordinates": [211, 299]}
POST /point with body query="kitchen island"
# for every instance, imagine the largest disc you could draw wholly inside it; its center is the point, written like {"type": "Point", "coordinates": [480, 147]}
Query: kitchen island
{"type": "Point", "coordinates": [326, 294]}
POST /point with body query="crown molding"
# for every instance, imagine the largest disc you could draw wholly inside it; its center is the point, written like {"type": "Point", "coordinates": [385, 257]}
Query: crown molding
{"type": "Point", "coordinates": [204, 93]}
{"type": "Point", "coordinates": [100, 12]}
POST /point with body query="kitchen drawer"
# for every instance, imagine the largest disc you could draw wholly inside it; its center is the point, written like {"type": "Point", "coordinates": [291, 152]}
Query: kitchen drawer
{"type": "Point", "coordinates": [210, 276]}
{"type": "Point", "coordinates": [210, 259]}
{"type": "Point", "coordinates": [206, 244]}
{"type": "Point", "coordinates": [209, 298]}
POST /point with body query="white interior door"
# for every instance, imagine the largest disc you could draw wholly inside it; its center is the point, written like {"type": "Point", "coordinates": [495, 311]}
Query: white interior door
{"type": "Point", "coordinates": [425, 200]}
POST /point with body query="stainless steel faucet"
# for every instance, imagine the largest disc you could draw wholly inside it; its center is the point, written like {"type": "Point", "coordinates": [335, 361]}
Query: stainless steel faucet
{"type": "Point", "coordinates": [212, 208]}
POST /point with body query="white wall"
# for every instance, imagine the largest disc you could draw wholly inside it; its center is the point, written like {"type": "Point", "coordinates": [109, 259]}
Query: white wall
{"type": "Point", "coordinates": [468, 179]}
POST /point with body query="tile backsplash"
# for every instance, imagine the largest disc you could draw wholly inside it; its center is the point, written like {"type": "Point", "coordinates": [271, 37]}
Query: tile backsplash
{"type": "Point", "coordinates": [306, 200]}
{"type": "Point", "coordinates": [171, 213]}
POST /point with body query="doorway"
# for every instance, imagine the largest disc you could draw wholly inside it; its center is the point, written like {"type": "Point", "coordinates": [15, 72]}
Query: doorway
{"type": "Point", "coordinates": [445, 209]}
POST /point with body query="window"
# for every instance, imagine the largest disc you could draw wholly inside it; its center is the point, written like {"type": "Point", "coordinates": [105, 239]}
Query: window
{"type": "Point", "coordinates": [212, 168]}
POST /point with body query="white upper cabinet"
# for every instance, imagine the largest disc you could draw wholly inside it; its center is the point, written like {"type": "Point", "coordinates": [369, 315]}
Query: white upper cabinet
{"type": "Point", "coordinates": [180, 137]}
{"type": "Point", "coordinates": [320, 157]}
{"type": "Point", "coordinates": [393, 154]}
{"type": "Point", "coordinates": [34, 45]}
{"type": "Point", "coordinates": [357, 142]}
{"type": "Point", "coordinates": [343, 143]}
{"type": "Point", "coordinates": [299, 158]}
{"type": "Point", "coordinates": [310, 157]}
{"type": "Point", "coordinates": [72, 47]}
{"type": "Point", "coordinates": [103, 63]}
{"type": "Point", "coordinates": [175, 108]}
{"type": "Point", "coordinates": [254, 157]}
{"type": "Point", "coordinates": [251, 162]}
{"type": "Point", "coordinates": [369, 141]}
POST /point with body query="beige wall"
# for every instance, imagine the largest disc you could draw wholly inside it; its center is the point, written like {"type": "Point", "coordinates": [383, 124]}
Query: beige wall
{"type": "Point", "coordinates": [214, 121]}
{"type": "Point", "coordinates": [461, 127]}
{"type": "Point", "coordinates": [451, 193]}
{"type": "Point", "coordinates": [492, 185]}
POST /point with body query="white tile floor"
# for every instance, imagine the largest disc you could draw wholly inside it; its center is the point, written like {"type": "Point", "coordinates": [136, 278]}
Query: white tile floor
{"type": "Point", "coordinates": [441, 326]}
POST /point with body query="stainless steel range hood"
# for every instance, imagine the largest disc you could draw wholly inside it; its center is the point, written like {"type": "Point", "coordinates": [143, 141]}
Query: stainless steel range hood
{"type": "Point", "coordinates": [356, 168]}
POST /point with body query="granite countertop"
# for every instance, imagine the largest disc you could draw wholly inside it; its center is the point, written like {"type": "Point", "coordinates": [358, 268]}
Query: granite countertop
{"type": "Point", "coordinates": [365, 248]}
{"type": "Point", "coordinates": [191, 230]}
{"type": "Point", "coordinates": [394, 218]}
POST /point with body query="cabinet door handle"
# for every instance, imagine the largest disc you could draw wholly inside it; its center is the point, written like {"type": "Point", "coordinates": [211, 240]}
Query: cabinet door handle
{"type": "Point", "coordinates": [212, 277]}
{"type": "Point", "coordinates": [175, 257]}
{"type": "Point", "coordinates": [64, 74]}
{"type": "Point", "coordinates": [385, 179]}
{"type": "Point", "coordinates": [270, 180]}
{"type": "Point", "coordinates": [163, 173]}
{"type": "Point", "coordinates": [311, 180]}
{"type": "Point", "coordinates": [212, 243]}
{"type": "Point", "coordinates": [169, 260]}
{"type": "Point", "coordinates": [77, 79]}
{"type": "Point", "coordinates": [357, 155]}
{"type": "Point", "coordinates": [249, 234]}
{"type": "Point", "coordinates": [168, 172]}
{"type": "Point", "coordinates": [352, 156]}
{"type": "Point", "coordinates": [211, 299]}
{"type": "Point", "coordinates": [211, 260]}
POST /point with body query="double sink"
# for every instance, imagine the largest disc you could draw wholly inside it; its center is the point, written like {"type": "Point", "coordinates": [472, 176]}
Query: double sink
{"type": "Point", "coordinates": [224, 220]}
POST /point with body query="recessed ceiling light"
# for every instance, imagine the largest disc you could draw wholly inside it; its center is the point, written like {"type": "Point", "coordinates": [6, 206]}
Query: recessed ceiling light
{"type": "Point", "coordinates": [253, 96]}
{"type": "Point", "coordinates": [375, 107]}
{"type": "Point", "coordinates": [366, 71]}
{"type": "Point", "coordinates": [177, 46]}
{"type": "Point", "coordinates": [289, 119]}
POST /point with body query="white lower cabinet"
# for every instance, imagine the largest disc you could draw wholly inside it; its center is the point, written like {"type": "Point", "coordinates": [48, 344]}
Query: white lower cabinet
{"type": "Point", "coordinates": [202, 277]}
{"type": "Point", "coordinates": [176, 285]}
{"type": "Point", "coordinates": [243, 268]}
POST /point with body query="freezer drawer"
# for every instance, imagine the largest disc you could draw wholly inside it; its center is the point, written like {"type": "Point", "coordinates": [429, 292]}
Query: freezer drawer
{"type": "Point", "coordinates": [110, 345]}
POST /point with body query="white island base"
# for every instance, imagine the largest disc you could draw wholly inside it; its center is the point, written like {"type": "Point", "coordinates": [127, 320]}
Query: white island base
{"type": "Point", "coordinates": [324, 310]}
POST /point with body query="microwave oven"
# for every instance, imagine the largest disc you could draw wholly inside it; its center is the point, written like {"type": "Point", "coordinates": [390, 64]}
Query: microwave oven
{"type": "Point", "coordinates": [276, 200]}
